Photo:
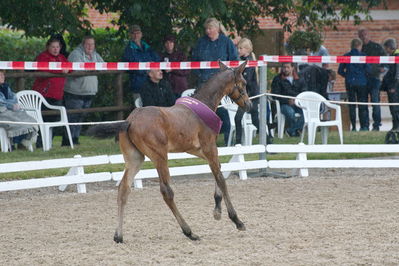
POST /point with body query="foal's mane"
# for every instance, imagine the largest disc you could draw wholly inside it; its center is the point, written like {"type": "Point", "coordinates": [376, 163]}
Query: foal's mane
{"type": "Point", "coordinates": [212, 91]}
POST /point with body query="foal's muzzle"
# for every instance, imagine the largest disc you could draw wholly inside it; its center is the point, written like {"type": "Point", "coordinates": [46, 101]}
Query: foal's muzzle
{"type": "Point", "coordinates": [248, 105]}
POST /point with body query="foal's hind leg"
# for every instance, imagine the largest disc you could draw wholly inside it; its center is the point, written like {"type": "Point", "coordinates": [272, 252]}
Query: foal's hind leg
{"type": "Point", "coordinates": [168, 195]}
{"type": "Point", "coordinates": [213, 160]}
{"type": "Point", "coordinates": [133, 160]}
{"type": "Point", "coordinates": [217, 212]}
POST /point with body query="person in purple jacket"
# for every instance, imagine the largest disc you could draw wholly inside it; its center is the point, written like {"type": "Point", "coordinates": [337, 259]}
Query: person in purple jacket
{"type": "Point", "coordinates": [177, 78]}
{"type": "Point", "coordinates": [356, 85]}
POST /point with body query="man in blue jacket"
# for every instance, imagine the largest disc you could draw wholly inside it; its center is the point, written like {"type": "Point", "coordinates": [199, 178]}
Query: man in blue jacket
{"type": "Point", "coordinates": [356, 85]}
{"type": "Point", "coordinates": [138, 50]}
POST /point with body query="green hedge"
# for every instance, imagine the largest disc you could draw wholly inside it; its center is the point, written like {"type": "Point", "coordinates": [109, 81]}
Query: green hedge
{"type": "Point", "coordinates": [15, 47]}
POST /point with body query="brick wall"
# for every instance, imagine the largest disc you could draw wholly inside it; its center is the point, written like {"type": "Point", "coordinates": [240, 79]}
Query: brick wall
{"type": "Point", "coordinates": [101, 20]}
{"type": "Point", "coordinates": [338, 42]}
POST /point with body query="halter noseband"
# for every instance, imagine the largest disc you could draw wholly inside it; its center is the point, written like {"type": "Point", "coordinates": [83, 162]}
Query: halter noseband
{"type": "Point", "coordinates": [235, 87]}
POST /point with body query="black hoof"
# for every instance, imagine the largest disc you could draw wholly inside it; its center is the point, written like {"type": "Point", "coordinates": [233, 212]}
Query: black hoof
{"type": "Point", "coordinates": [118, 239]}
{"type": "Point", "coordinates": [191, 236]}
{"type": "Point", "coordinates": [241, 226]}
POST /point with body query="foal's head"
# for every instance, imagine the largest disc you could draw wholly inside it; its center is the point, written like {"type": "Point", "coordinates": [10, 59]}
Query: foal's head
{"type": "Point", "coordinates": [238, 92]}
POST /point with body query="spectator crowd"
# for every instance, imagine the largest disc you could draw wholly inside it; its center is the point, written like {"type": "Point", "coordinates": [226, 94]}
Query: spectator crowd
{"type": "Point", "coordinates": [363, 82]}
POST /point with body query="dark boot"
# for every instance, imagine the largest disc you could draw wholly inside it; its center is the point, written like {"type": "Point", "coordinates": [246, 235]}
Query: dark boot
{"type": "Point", "coordinates": [65, 141]}
{"type": "Point", "coordinates": [395, 121]}
{"type": "Point", "coordinates": [39, 143]}
{"type": "Point", "coordinates": [76, 141]}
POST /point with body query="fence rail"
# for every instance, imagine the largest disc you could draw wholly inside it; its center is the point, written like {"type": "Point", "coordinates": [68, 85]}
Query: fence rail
{"type": "Point", "coordinates": [76, 174]}
{"type": "Point", "coordinates": [300, 165]}
{"type": "Point", "coordinates": [303, 163]}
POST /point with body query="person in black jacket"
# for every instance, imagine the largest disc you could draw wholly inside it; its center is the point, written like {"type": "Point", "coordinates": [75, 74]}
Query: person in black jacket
{"type": "Point", "coordinates": [371, 48]}
{"type": "Point", "coordinates": [390, 83]}
{"type": "Point", "coordinates": [245, 51]}
{"type": "Point", "coordinates": [157, 91]}
{"type": "Point", "coordinates": [288, 83]}
{"type": "Point", "coordinates": [317, 79]}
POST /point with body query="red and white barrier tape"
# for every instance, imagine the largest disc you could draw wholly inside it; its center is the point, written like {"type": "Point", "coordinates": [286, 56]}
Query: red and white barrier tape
{"type": "Point", "coordinates": [27, 65]}
{"type": "Point", "coordinates": [332, 59]}
{"type": "Point", "coordinates": [21, 65]}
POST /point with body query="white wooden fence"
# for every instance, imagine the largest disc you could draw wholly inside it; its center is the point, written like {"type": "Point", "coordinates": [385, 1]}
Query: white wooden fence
{"type": "Point", "coordinates": [302, 162]}
{"type": "Point", "coordinates": [76, 174]}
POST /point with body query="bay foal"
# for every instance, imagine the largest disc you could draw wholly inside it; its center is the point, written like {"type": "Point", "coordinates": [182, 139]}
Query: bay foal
{"type": "Point", "coordinates": [155, 131]}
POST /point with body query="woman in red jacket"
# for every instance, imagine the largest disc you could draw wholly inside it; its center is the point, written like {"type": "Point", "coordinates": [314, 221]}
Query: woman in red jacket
{"type": "Point", "coordinates": [51, 88]}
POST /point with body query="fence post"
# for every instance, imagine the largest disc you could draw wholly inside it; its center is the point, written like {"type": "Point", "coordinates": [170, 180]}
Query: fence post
{"type": "Point", "coordinates": [302, 156]}
{"type": "Point", "coordinates": [77, 170]}
{"type": "Point", "coordinates": [20, 84]}
{"type": "Point", "coordinates": [262, 106]}
{"type": "Point", "coordinates": [237, 158]}
{"type": "Point", "coordinates": [119, 94]}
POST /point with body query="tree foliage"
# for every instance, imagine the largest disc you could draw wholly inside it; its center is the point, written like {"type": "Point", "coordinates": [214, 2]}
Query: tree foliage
{"type": "Point", "coordinates": [183, 17]}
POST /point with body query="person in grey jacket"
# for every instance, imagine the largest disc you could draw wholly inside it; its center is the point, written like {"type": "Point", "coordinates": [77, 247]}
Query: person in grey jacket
{"type": "Point", "coordinates": [79, 91]}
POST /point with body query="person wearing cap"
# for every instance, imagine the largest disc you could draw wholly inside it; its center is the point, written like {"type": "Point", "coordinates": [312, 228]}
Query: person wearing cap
{"type": "Point", "coordinates": [138, 50]}
{"type": "Point", "coordinates": [177, 78]}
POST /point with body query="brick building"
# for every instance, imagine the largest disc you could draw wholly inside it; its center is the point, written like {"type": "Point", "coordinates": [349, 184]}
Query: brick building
{"type": "Point", "coordinates": [385, 24]}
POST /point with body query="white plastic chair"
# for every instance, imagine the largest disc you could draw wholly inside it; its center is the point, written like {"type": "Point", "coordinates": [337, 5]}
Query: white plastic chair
{"type": "Point", "coordinates": [310, 103]}
{"type": "Point", "coordinates": [4, 141]}
{"type": "Point", "coordinates": [32, 102]}
{"type": "Point", "coordinates": [232, 110]}
{"type": "Point", "coordinates": [246, 122]}
{"type": "Point", "coordinates": [249, 129]}
{"type": "Point", "coordinates": [187, 92]}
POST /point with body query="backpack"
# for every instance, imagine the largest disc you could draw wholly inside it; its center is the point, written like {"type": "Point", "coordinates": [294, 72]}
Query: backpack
{"type": "Point", "coordinates": [392, 137]}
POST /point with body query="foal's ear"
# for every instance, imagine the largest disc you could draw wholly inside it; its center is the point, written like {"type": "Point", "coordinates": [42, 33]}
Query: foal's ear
{"type": "Point", "coordinates": [241, 67]}
{"type": "Point", "coordinates": [222, 66]}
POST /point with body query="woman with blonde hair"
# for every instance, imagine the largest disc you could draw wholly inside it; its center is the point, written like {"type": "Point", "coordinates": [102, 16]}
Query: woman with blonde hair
{"type": "Point", "coordinates": [245, 49]}
{"type": "Point", "coordinates": [213, 46]}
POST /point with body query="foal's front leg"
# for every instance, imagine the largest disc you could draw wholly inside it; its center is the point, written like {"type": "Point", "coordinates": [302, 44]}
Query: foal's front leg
{"type": "Point", "coordinates": [214, 164]}
{"type": "Point", "coordinates": [168, 196]}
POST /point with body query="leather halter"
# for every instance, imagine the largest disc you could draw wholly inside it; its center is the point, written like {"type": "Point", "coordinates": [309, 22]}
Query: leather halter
{"type": "Point", "coordinates": [236, 87]}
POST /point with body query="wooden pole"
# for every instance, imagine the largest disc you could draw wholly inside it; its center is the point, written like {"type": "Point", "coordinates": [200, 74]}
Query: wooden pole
{"type": "Point", "coordinates": [119, 95]}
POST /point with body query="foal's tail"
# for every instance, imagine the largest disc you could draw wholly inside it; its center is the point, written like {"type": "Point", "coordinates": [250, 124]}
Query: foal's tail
{"type": "Point", "coordinates": [107, 130]}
